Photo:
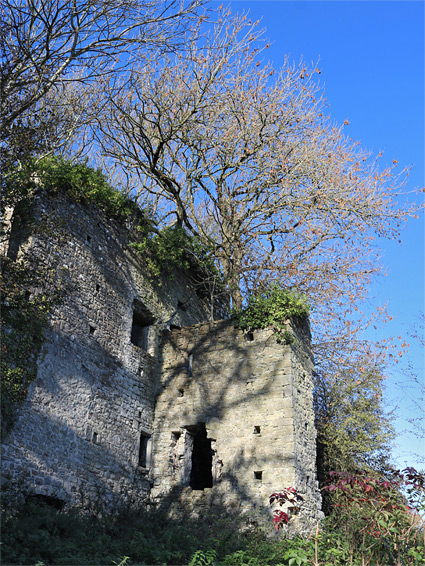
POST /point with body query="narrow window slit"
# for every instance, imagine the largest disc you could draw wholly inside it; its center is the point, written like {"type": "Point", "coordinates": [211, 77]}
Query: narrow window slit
{"type": "Point", "coordinates": [144, 450]}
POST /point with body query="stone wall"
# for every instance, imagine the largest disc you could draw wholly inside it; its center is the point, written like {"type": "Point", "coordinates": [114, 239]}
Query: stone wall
{"type": "Point", "coordinates": [82, 433]}
{"type": "Point", "coordinates": [136, 398]}
{"type": "Point", "coordinates": [234, 420]}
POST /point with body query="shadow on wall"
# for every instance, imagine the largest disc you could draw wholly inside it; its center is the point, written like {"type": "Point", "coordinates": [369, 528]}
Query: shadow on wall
{"type": "Point", "coordinates": [56, 448]}
{"type": "Point", "coordinates": [224, 422]}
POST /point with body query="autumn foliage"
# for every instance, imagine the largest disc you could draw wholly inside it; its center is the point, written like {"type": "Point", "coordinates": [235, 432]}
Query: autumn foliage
{"type": "Point", "coordinates": [375, 519]}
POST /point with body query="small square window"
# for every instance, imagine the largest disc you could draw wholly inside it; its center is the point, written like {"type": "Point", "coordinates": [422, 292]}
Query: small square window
{"type": "Point", "coordinates": [257, 430]}
{"type": "Point", "coordinates": [258, 475]}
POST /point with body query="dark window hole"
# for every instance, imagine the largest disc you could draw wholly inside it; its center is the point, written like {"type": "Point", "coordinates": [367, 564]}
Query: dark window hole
{"type": "Point", "coordinates": [88, 239]}
{"type": "Point", "coordinates": [181, 392]}
{"type": "Point", "coordinates": [249, 336]}
{"type": "Point", "coordinates": [144, 450]}
{"type": "Point", "coordinates": [92, 329]}
{"type": "Point", "coordinates": [95, 438]}
{"type": "Point", "coordinates": [49, 500]}
{"type": "Point", "coordinates": [258, 475]}
{"type": "Point", "coordinates": [142, 320]}
{"type": "Point", "coordinates": [257, 430]}
{"type": "Point", "coordinates": [201, 474]}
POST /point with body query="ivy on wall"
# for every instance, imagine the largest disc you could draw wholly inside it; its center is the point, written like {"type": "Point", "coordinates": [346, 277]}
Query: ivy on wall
{"type": "Point", "coordinates": [25, 309]}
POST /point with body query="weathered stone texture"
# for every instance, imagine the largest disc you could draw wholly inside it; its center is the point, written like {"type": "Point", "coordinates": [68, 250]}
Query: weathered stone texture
{"type": "Point", "coordinates": [199, 415]}
{"type": "Point", "coordinates": [78, 434]}
{"type": "Point", "coordinates": [253, 398]}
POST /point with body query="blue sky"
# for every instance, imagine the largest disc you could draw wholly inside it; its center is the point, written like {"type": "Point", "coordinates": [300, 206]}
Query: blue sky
{"type": "Point", "coordinates": [372, 67]}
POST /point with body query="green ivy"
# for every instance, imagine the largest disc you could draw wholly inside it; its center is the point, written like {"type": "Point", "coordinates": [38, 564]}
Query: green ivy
{"type": "Point", "coordinates": [24, 320]}
{"type": "Point", "coordinates": [272, 309]}
{"type": "Point", "coordinates": [81, 182]}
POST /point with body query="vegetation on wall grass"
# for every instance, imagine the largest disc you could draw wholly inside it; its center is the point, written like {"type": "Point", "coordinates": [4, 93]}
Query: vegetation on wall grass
{"type": "Point", "coordinates": [164, 250]}
{"type": "Point", "coordinates": [81, 183]}
{"type": "Point", "coordinates": [272, 309]}
{"type": "Point", "coordinates": [372, 523]}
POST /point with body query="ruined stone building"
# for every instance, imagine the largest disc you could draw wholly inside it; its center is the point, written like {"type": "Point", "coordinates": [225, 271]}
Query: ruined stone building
{"type": "Point", "coordinates": [138, 399]}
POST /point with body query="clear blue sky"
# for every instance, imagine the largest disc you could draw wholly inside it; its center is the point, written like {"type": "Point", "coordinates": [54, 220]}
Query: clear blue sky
{"type": "Point", "coordinates": [372, 62]}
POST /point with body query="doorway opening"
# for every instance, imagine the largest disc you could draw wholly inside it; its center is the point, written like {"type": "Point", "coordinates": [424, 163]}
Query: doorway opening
{"type": "Point", "coordinates": [201, 473]}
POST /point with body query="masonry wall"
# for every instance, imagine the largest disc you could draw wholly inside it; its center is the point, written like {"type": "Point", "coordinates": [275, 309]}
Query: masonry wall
{"type": "Point", "coordinates": [246, 401]}
{"type": "Point", "coordinates": [136, 399]}
{"type": "Point", "coordinates": [83, 432]}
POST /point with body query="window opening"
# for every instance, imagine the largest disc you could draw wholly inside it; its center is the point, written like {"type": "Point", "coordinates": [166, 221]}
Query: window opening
{"type": "Point", "coordinates": [88, 239]}
{"type": "Point", "coordinates": [49, 500]}
{"type": "Point", "coordinates": [144, 450]}
{"type": "Point", "coordinates": [249, 336]}
{"type": "Point", "coordinates": [257, 430]}
{"type": "Point", "coordinates": [201, 473]}
{"type": "Point", "coordinates": [181, 306]}
{"type": "Point", "coordinates": [95, 437]}
{"type": "Point", "coordinates": [92, 329]}
{"type": "Point", "coordinates": [142, 320]}
{"type": "Point", "coordinates": [258, 475]}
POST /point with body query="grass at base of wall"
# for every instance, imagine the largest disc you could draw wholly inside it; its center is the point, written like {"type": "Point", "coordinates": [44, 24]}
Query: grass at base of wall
{"type": "Point", "coordinates": [39, 534]}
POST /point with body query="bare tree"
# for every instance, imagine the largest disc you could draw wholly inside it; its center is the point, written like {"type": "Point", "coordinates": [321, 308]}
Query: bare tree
{"type": "Point", "coordinates": [46, 44]}
{"type": "Point", "coordinates": [245, 158]}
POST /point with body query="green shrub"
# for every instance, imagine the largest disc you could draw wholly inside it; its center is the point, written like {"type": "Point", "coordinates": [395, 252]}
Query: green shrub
{"type": "Point", "coordinates": [272, 309]}
{"type": "Point", "coordinates": [81, 182]}
{"type": "Point", "coordinates": [38, 533]}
